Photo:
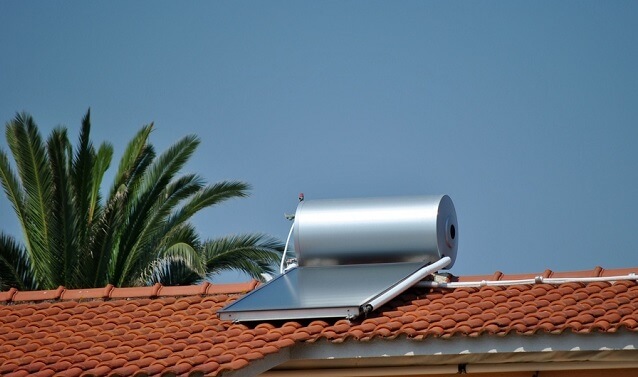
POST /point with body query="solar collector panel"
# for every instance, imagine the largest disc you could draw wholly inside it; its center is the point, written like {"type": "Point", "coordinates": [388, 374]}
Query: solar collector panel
{"type": "Point", "coordinates": [319, 292]}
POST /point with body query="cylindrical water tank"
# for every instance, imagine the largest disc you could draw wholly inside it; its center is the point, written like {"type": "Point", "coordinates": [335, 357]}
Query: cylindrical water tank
{"type": "Point", "coordinates": [376, 230]}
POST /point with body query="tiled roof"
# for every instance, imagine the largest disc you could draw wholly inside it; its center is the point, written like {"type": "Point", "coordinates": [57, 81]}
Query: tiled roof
{"type": "Point", "coordinates": [175, 330]}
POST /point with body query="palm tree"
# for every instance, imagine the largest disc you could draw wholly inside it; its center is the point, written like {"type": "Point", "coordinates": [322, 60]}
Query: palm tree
{"type": "Point", "coordinates": [139, 234]}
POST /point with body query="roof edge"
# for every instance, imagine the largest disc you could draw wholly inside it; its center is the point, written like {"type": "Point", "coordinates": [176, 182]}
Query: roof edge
{"type": "Point", "coordinates": [538, 347]}
{"type": "Point", "coordinates": [206, 288]}
{"type": "Point", "coordinates": [111, 292]}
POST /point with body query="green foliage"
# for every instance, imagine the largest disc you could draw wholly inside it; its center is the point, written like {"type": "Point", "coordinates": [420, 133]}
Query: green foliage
{"type": "Point", "coordinates": [15, 270]}
{"type": "Point", "coordinates": [139, 234]}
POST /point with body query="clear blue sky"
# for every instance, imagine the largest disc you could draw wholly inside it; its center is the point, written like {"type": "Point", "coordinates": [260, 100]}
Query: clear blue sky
{"type": "Point", "coordinates": [525, 113]}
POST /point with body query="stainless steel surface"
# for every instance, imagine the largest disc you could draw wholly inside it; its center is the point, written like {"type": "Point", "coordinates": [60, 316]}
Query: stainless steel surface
{"type": "Point", "coordinates": [376, 230]}
{"type": "Point", "coordinates": [316, 292]}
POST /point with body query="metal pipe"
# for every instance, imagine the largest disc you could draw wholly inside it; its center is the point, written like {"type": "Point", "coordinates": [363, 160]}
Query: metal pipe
{"type": "Point", "coordinates": [283, 255]}
{"type": "Point", "coordinates": [406, 283]}
{"type": "Point", "coordinates": [536, 280]}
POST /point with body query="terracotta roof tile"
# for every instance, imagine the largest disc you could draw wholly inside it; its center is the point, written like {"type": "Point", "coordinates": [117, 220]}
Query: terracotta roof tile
{"type": "Point", "coordinates": [156, 330]}
{"type": "Point", "coordinates": [38, 295]}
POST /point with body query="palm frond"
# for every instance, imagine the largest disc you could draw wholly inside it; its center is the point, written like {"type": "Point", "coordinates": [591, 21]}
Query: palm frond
{"type": "Point", "coordinates": [133, 165]}
{"type": "Point", "coordinates": [31, 159]}
{"type": "Point", "coordinates": [184, 258]}
{"type": "Point", "coordinates": [65, 248]}
{"type": "Point", "coordinates": [157, 227]}
{"type": "Point", "coordinates": [102, 225]}
{"type": "Point", "coordinates": [135, 159]}
{"type": "Point", "coordinates": [253, 254]}
{"type": "Point", "coordinates": [156, 178]}
{"type": "Point", "coordinates": [209, 196]}
{"type": "Point", "coordinates": [184, 233]}
{"type": "Point", "coordinates": [15, 265]}
{"type": "Point", "coordinates": [182, 242]}
{"type": "Point", "coordinates": [169, 163]}
{"type": "Point", "coordinates": [82, 179]}
{"type": "Point", "coordinates": [169, 271]}
{"type": "Point", "coordinates": [98, 266]}
{"type": "Point", "coordinates": [101, 165]}
{"type": "Point", "coordinates": [14, 191]}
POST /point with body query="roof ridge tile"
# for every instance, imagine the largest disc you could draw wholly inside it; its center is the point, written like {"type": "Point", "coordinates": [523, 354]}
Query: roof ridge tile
{"type": "Point", "coordinates": [38, 295]}
{"type": "Point", "coordinates": [184, 290]}
{"type": "Point", "coordinates": [130, 292]}
{"type": "Point", "coordinates": [112, 292]}
{"type": "Point", "coordinates": [8, 295]}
